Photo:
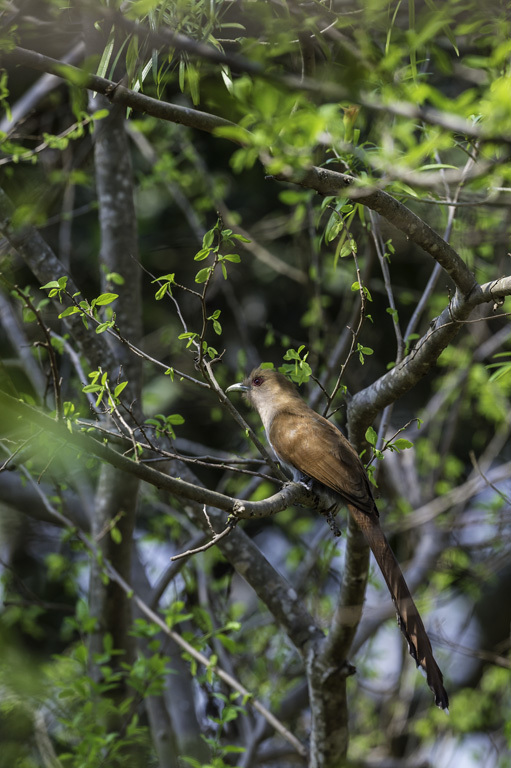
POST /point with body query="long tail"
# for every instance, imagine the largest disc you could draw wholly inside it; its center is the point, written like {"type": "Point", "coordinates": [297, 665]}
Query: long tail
{"type": "Point", "coordinates": [408, 616]}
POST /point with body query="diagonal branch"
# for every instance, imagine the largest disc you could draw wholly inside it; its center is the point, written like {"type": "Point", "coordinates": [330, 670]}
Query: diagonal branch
{"type": "Point", "coordinates": [328, 182]}
{"type": "Point", "coordinates": [365, 405]}
{"type": "Point", "coordinates": [16, 411]}
{"type": "Point", "coordinates": [117, 93]}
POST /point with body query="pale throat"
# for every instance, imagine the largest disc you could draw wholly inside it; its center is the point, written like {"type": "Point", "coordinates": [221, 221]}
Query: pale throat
{"type": "Point", "coordinates": [267, 407]}
{"type": "Point", "coordinates": [266, 410]}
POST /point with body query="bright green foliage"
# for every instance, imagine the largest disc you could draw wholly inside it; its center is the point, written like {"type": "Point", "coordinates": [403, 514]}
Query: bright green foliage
{"type": "Point", "coordinates": [300, 370]}
{"type": "Point", "coordinates": [164, 425]}
{"type": "Point", "coordinates": [100, 386]}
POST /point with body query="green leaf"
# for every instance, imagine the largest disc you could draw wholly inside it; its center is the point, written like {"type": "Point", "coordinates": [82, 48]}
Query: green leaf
{"type": "Point", "coordinates": [119, 388]}
{"type": "Point", "coordinates": [207, 240]}
{"type": "Point", "coordinates": [333, 228]}
{"type": "Point", "coordinates": [241, 238]}
{"type": "Point", "coordinates": [51, 284]}
{"type": "Point", "coordinates": [115, 277]}
{"type": "Point", "coordinates": [192, 73]}
{"type": "Point", "coordinates": [401, 444]}
{"type": "Point", "coordinates": [161, 292]}
{"type": "Point", "coordinates": [202, 275]}
{"type": "Point", "coordinates": [140, 8]}
{"type": "Point", "coordinates": [100, 114]}
{"type": "Point", "coordinates": [346, 250]}
{"type": "Point", "coordinates": [292, 196]}
{"type": "Point", "coordinates": [106, 55]}
{"type": "Point", "coordinates": [92, 388]}
{"type": "Point", "coordinates": [371, 436]}
{"type": "Point", "coordinates": [105, 298]}
{"type": "Point", "coordinates": [202, 254]}
{"type": "Point", "coordinates": [175, 418]}
{"type": "Point", "coordinates": [234, 257]}
{"type": "Point", "coordinates": [234, 133]}
{"type": "Point", "coordinates": [69, 311]}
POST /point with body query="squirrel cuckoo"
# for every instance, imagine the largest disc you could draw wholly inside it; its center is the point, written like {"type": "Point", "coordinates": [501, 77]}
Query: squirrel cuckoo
{"type": "Point", "coordinates": [319, 456]}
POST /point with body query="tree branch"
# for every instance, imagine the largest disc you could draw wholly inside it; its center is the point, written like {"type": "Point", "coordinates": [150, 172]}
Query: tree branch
{"type": "Point", "coordinates": [243, 510]}
{"type": "Point", "coordinates": [365, 404]}
{"type": "Point", "coordinates": [328, 182]}
{"type": "Point", "coordinates": [118, 94]}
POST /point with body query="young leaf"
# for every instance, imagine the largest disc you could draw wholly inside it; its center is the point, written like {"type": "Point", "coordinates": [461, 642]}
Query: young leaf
{"type": "Point", "coordinates": [401, 444]}
{"type": "Point", "coordinates": [119, 388]}
{"type": "Point", "coordinates": [161, 292]}
{"type": "Point", "coordinates": [202, 254]}
{"type": "Point", "coordinates": [174, 418]}
{"type": "Point", "coordinates": [51, 284]}
{"type": "Point", "coordinates": [105, 298]}
{"type": "Point", "coordinates": [241, 238]}
{"type": "Point", "coordinates": [202, 275]}
{"type": "Point", "coordinates": [371, 436]}
{"type": "Point", "coordinates": [69, 311]}
{"type": "Point", "coordinates": [207, 240]}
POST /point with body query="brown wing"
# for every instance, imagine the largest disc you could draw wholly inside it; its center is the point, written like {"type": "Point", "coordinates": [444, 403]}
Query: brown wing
{"type": "Point", "coordinates": [319, 450]}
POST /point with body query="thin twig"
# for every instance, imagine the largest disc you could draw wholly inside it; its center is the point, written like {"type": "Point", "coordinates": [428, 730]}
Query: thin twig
{"type": "Point", "coordinates": [478, 469]}
{"type": "Point", "coordinates": [437, 269]}
{"type": "Point", "coordinates": [355, 333]}
{"type": "Point", "coordinates": [211, 543]}
{"type": "Point", "coordinates": [56, 381]}
{"type": "Point", "coordinates": [384, 266]}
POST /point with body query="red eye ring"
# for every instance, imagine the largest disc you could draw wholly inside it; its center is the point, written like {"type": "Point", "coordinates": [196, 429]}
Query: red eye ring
{"type": "Point", "coordinates": [258, 381]}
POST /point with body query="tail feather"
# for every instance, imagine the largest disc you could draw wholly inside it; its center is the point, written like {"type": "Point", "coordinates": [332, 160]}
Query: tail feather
{"type": "Point", "coordinates": [408, 616]}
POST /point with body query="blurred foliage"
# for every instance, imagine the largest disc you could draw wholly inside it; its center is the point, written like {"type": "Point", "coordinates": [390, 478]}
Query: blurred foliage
{"type": "Point", "coordinates": [240, 266]}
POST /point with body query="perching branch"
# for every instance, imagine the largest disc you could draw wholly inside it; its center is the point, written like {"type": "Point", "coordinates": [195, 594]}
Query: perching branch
{"type": "Point", "coordinates": [290, 494]}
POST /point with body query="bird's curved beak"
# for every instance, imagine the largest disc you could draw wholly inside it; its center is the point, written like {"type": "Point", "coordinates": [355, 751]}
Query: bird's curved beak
{"type": "Point", "coordinates": [239, 387]}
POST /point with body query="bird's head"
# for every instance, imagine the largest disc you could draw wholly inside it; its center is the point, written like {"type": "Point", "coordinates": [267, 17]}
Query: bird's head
{"type": "Point", "coordinates": [264, 386]}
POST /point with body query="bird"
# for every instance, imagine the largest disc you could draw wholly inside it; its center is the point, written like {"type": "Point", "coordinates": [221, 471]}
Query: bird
{"type": "Point", "coordinates": [319, 456]}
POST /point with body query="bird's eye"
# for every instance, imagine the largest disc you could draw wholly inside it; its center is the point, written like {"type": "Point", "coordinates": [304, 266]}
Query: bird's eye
{"type": "Point", "coordinates": [258, 381]}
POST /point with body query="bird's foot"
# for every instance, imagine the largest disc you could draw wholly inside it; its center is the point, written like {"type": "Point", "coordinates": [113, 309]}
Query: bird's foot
{"type": "Point", "coordinates": [307, 483]}
{"type": "Point", "coordinates": [329, 515]}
